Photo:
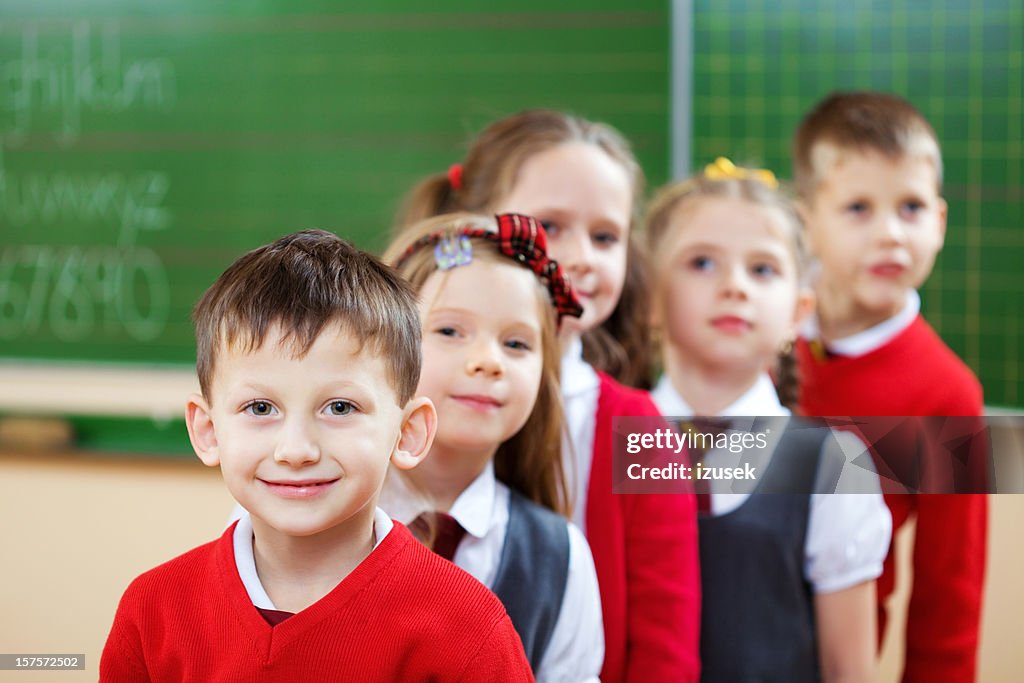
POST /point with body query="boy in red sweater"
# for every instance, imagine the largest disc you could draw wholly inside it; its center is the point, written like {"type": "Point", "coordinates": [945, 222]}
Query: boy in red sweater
{"type": "Point", "coordinates": [308, 355]}
{"type": "Point", "coordinates": [868, 174]}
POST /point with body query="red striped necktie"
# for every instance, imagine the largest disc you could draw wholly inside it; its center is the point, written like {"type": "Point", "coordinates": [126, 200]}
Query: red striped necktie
{"type": "Point", "coordinates": [446, 530]}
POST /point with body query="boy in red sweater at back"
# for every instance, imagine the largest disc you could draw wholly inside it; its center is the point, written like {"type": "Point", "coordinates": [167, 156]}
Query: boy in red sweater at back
{"type": "Point", "coordinates": [868, 173]}
{"type": "Point", "coordinates": [308, 355]}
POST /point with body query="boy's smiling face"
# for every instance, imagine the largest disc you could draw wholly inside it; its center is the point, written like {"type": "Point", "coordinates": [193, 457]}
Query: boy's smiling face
{"type": "Point", "coordinates": [876, 224]}
{"type": "Point", "coordinates": [304, 443]}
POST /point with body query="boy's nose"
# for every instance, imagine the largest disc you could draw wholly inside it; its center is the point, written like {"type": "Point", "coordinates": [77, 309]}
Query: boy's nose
{"type": "Point", "coordinates": [297, 445]}
{"type": "Point", "coordinates": [891, 229]}
{"type": "Point", "coordinates": [484, 358]}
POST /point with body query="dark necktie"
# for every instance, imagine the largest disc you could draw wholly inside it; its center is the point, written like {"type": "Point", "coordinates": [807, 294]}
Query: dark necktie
{"type": "Point", "coordinates": [703, 433]}
{"type": "Point", "coordinates": [274, 616]}
{"type": "Point", "coordinates": [447, 532]}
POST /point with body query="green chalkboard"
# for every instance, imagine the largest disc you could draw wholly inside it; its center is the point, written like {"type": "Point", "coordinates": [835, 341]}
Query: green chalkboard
{"type": "Point", "coordinates": [145, 146]}
{"type": "Point", "coordinates": [759, 66]}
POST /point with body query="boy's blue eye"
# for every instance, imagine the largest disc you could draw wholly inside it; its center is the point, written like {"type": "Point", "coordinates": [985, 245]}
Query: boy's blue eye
{"type": "Point", "coordinates": [260, 408]}
{"type": "Point", "coordinates": [912, 207]}
{"type": "Point", "coordinates": [446, 331]}
{"type": "Point", "coordinates": [341, 407]}
{"type": "Point", "coordinates": [517, 344]}
{"type": "Point", "coordinates": [606, 238]}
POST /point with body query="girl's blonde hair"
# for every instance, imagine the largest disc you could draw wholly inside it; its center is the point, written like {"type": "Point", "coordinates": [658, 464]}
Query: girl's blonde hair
{"type": "Point", "coordinates": [529, 462]}
{"type": "Point", "coordinates": [621, 345]}
{"type": "Point", "coordinates": [750, 185]}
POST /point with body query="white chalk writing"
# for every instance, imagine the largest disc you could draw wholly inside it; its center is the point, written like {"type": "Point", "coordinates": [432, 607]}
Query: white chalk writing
{"type": "Point", "coordinates": [51, 82]}
{"type": "Point", "coordinates": [77, 291]}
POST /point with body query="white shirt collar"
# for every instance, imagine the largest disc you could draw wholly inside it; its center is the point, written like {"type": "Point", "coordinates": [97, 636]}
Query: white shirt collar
{"type": "Point", "coordinates": [577, 375]}
{"type": "Point", "coordinates": [872, 338]}
{"type": "Point", "coordinates": [474, 508]}
{"type": "Point", "coordinates": [759, 400]}
{"type": "Point", "coordinates": [245, 562]}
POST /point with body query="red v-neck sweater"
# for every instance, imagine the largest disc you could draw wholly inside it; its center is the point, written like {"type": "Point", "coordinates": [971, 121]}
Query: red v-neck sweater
{"type": "Point", "coordinates": [913, 374]}
{"type": "Point", "coordinates": [917, 374]}
{"type": "Point", "coordinates": [646, 559]}
{"type": "Point", "coordinates": [404, 614]}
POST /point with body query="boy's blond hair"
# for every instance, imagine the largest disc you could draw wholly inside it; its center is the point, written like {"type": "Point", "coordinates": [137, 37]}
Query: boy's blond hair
{"type": "Point", "coordinates": [304, 282]}
{"type": "Point", "coordinates": [859, 121]}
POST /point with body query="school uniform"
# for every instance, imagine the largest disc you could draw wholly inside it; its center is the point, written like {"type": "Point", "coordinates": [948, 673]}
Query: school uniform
{"type": "Point", "coordinates": [402, 614]}
{"type": "Point", "coordinates": [542, 570]}
{"type": "Point", "coordinates": [644, 546]}
{"type": "Point", "coordinates": [902, 368]}
{"type": "Point", "coordinates": [765, 557]}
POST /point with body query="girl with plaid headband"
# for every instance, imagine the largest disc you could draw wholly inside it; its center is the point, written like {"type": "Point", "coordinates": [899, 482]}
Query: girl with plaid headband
{"type": "Point", "coordinates": [491, 494]}
{"type": "Point", "coordinates": [581, 180]}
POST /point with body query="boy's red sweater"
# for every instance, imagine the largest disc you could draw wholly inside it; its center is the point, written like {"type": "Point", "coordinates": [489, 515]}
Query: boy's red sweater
{"type": "Point", "coordinates": [404, 614]}
{"type": "Point", "coordinates": [912, 375]}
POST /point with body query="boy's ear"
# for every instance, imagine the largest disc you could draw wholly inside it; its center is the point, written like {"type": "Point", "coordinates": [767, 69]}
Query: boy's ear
{"type": "Point", "coordinates": [943, 213]}
{"type": "Point", "coordinates": [201, 430]}
{"type": "Point", "coordinates": [805, 302]}
{"type": "Point", "coordinates": [418, 429]}
{"type": "Point", "coordinates": [655, 316]}
{"type": "Point", "coordinates": [803, 210]}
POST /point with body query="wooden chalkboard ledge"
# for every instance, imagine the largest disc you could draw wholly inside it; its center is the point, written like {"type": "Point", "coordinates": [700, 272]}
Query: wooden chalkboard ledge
{"type": "Point", "coordinates": [113, 390]}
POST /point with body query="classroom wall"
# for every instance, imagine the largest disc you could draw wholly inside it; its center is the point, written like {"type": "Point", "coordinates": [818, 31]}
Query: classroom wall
{"type": "Point", "coordinates": [78, 527]}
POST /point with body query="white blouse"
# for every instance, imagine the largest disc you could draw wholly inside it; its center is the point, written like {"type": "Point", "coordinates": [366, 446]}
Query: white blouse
{"type": "Point", "coordinates": [580, 389]}
{"type": "Point", "coordinates": [847, 533]}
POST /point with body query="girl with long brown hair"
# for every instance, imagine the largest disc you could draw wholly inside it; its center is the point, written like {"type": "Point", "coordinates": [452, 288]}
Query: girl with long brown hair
{"type": "Point", "coordinates": [581, 180]}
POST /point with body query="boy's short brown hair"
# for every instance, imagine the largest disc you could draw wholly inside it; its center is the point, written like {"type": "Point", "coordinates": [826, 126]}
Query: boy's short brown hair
{"type": "Point", "coordinates": [860, 121]}
{"type": "Point", "coordinates": [304, 282]}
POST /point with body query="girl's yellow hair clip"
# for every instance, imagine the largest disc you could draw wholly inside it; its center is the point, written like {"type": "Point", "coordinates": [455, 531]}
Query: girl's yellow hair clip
{"type": "Point", "coordinates": [723, 169]}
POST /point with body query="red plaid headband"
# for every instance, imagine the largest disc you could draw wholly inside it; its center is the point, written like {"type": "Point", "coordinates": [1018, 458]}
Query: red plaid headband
{"type": "Point", "coordinates": [520, 238]}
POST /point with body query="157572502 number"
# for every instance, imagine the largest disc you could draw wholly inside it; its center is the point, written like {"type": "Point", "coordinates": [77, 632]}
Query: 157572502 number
{"type": "Point", "coordinates": [41, 662]}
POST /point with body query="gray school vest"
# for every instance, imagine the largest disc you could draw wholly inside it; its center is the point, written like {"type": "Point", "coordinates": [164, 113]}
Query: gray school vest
{"type": "Point", "coordinates": [533, 572]}
{"type": "Point", "coordinates": [757, 622]}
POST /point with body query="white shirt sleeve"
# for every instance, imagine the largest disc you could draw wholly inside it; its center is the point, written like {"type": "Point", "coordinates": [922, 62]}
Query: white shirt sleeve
{"type": "Point", "coordinates": [848, 534]}
{"type": "Point", "coordinates": [576, 650]}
